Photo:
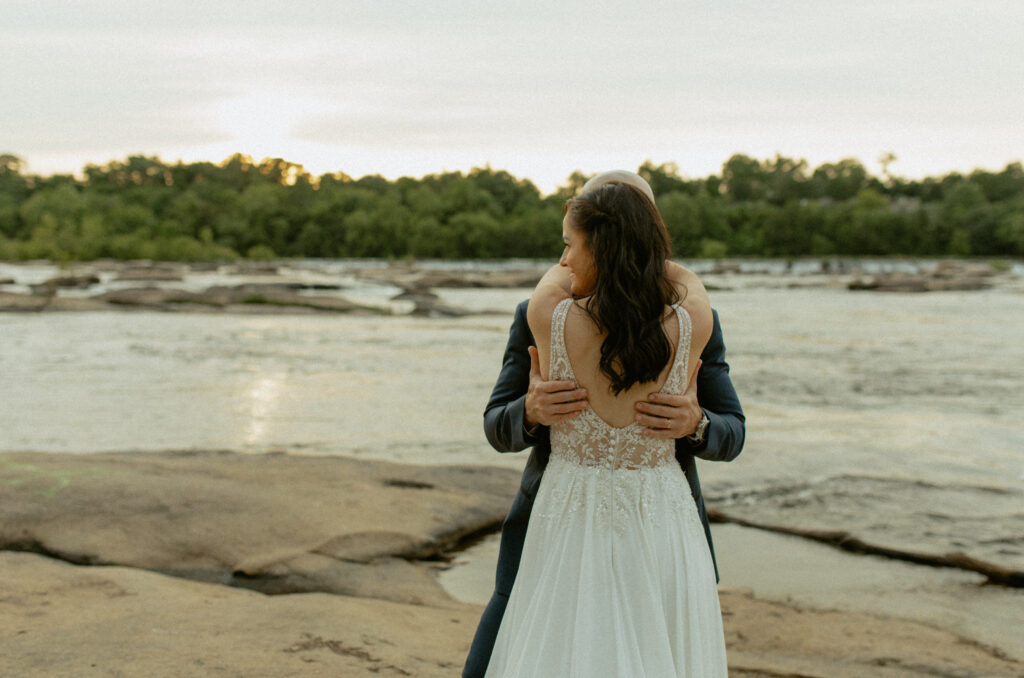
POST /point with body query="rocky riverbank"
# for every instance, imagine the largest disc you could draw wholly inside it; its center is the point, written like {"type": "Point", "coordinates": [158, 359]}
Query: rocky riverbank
{"type": "Point", "coordinates": [884, 516]}
{"type": "Point", "coordinates": [329, 287]}
{"type": "Point", "coordinates": [251, 288]}
{"type": "Point", "coordinates": [160, 565]}
{"type": "Point", "coordinates": [945, 277]}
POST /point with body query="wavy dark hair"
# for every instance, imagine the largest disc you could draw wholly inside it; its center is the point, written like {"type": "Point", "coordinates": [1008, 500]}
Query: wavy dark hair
{"type": "Point", "coordinates": [624, 231]}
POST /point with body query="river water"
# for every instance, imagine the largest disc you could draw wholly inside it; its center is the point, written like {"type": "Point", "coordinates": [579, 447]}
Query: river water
{"type": "Point", "coordinates": [896, 416]}
{"type": "Point", "coordinates": [909, 385]}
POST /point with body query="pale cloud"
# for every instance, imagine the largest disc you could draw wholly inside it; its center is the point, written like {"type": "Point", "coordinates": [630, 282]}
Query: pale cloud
{"type": "Point", "coordinates": [538, 88]}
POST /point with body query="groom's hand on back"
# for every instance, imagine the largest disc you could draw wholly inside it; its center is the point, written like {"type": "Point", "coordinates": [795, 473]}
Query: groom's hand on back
{"type": "Point", "coordinates": [550, 401]}
{"type": "Point", "coordinates": [665, 415]}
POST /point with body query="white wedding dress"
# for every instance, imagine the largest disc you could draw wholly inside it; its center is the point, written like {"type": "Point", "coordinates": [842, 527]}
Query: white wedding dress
{"type": "Point", "coordinates": [616, 578]}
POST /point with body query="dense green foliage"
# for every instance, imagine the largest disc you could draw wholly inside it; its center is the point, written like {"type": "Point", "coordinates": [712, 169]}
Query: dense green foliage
{"type": "Point", "coordinates": [142, 208]}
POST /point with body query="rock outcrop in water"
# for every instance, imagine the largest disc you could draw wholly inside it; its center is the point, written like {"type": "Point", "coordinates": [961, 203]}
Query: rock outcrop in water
{"type": "Point", "coordinates": [270, 290]}
{"type": "Point", "coordinates": [948, 276]}
{"type": "Point", "coordinates": [66, 282]}
{"type": "Point", "coordinates": [279, 296]}
{"type": "Point", "coordinates": [276, 287]}
{"type": "Point", "coordinates": [412, 277]}
{"type": "Point", "coordinates": [266, 297]}
{"type": "Point", "coordinates": [866, 514]}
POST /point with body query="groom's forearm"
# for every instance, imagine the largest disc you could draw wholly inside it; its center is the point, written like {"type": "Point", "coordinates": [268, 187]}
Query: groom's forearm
{"type": "Point", "coordinates": [724, 438]}
{"type": "Point", "coordinates": [716, 395]}
{"type": "Point", "coordinates": [506, 428]}
{"type": "Point", "coordinates": [505, 415]}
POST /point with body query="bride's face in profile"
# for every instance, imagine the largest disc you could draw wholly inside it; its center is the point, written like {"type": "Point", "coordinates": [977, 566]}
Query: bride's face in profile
{"type": "Point", "coordinates": [578, 258]}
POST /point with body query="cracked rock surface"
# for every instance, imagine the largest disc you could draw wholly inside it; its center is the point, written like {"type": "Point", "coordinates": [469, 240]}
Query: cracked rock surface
{"type": "Point", "coordinates": [275, 523]}
{"type": "Point", "coordinates": [348, 547]}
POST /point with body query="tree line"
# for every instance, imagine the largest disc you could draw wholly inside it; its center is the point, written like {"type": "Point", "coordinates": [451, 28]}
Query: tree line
{"type": "Point", "coordinates": [144, 208]}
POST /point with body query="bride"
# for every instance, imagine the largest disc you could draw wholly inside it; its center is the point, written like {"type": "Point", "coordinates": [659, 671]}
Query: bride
{"type": "Point", "coordinates": [616, 578]}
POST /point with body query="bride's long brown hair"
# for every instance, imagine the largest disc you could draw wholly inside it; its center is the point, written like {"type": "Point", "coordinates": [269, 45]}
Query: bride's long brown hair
{"type": "Point", "coordinates": [624, 231]}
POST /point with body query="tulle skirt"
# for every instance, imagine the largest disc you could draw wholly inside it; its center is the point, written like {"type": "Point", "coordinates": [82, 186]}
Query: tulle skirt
{"type": "Point", "coordinates": [615, 579]}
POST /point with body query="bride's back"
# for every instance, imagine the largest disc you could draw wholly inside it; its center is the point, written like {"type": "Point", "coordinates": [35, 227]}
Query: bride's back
{"type": "Point", "coordinates": [583, 347]}
{"type": "Point", "coordinates": [583, 343]}
{"type": "Point", "coordinates": [610, 438]}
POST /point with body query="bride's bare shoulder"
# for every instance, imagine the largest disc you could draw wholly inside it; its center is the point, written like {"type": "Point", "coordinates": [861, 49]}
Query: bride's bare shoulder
{"type": "Point", "coordinates": [687, 282]}
{"type": "Point", "coordinates": [694, 298]}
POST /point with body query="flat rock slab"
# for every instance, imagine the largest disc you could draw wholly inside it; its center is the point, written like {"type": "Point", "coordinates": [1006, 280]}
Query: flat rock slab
{"type": "Point", "coordinates": [970, 527]}
{"type": "Point", "coordinates": [276, 522]}
{"type": "Point", "coordinates": [772, 638]}
{"type": "Point", "coordinates": [61, 620]}
{"type": "Point", "coordinates": [281, 296]}
{"type": "Point", "coordinates": [13, 301]}
{"type": "Point", "coordinates": [415, 278]}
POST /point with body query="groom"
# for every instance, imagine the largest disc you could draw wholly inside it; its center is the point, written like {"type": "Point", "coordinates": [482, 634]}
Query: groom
{"type": "Point", "coordinates": [706, 421]}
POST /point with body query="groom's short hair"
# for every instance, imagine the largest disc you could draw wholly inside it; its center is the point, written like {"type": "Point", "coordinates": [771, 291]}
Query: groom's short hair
{"type": "Point", "coordinates": [622, 177]}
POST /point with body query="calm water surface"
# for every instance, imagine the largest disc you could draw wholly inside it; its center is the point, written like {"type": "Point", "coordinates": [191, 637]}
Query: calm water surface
{"type": "Point", "coordinates": [831, 381]}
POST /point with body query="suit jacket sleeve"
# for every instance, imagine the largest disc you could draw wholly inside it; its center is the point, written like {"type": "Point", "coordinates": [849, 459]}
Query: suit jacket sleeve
{"type": "Point", "coordinates": [505, 414]}
{"type": "Point", "coordinates": [718, 399]}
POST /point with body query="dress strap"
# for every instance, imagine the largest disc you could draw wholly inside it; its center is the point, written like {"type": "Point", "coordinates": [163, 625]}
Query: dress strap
{"type": "Point", "coordinates": [560, 366]}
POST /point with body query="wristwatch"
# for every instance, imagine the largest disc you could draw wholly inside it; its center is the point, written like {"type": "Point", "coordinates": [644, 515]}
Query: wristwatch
{"type": "Point", "coordinates": [702, 429]}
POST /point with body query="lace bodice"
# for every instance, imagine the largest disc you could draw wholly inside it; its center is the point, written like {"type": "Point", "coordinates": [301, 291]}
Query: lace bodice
{"type": "Point", "coordinates": [589, 440]}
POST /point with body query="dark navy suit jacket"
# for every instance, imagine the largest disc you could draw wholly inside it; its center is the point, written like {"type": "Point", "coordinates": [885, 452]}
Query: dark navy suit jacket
{"type": "Point", "coordinates": [505, 426]}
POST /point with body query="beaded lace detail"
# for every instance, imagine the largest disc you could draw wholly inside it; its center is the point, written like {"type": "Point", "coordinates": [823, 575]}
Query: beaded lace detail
{"type": "Point", "coordinates": [587, 439]}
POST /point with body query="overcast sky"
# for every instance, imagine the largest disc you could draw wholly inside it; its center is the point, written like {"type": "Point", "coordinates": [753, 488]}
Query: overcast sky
{"type": "Point", "coordinates": [538, 88]}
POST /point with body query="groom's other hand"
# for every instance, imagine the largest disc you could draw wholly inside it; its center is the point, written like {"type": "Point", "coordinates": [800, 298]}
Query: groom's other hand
{"type": "Point", "coordinates": [665, 415]}
{"type": "Point", "coordinates": [550, 401]}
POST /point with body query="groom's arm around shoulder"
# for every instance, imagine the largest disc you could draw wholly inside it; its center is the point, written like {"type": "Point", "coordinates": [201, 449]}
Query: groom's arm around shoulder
{"type": "Point", "coordinates": [723, 440]}
{"type": "Point", "coordinates": [717, 397]}
{"type": "Point", "coordinates": [505, 414]}
{"type": "Point", "coordinates": [505, 422]}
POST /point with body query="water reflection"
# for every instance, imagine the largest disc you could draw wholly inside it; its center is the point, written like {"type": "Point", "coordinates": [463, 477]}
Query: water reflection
{"type": "Point", "coordinates": [263, 404]}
